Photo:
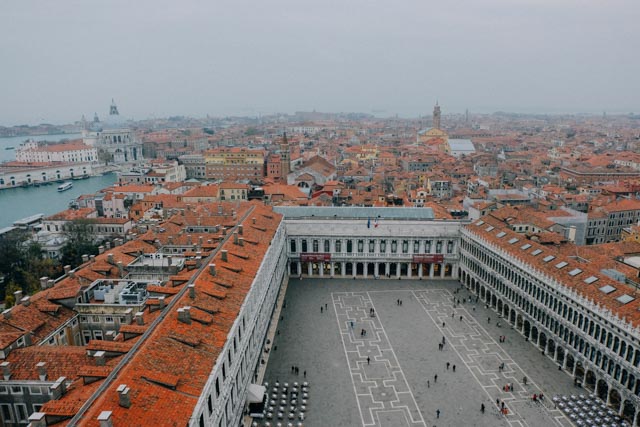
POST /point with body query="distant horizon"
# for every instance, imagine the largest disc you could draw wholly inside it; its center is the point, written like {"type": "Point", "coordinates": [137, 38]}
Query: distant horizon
{"type": "Point", "coordinates": [379, 113]}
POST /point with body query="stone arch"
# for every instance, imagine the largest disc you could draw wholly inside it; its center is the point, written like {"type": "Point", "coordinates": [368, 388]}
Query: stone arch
{"type": "Point", "coordinates": [534, 333]}
{"type": "Point", "coordinates": [615, 400]}
{"type": "Point", "coordinates": [571, 361]}
{"type": "Point", "coordinates": [542, 341]}
{"type": "Point", "coordinates": [590, 380]}
{"type": "Point", "coordinates": [628, 410]}
{"type": "Point", "coordinates": [359, 269]}
{"type": "Point", "coordinates": [560, 354]}
{"type": "Point", "coordinates": [602, 389]}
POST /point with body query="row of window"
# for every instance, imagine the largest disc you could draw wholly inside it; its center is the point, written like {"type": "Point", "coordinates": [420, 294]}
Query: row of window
{"type": "Point", "coordinates": [17, 389]}
{"type": "Point", "coordinates": [418, 246]}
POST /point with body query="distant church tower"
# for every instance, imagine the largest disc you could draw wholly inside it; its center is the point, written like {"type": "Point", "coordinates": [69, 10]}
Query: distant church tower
{"type": "Point", "coordinates": [113, 110]}
{"type": "Point", "coordinates": [285, 158]}
{"type": "Point", "coordinates": [436, 116]}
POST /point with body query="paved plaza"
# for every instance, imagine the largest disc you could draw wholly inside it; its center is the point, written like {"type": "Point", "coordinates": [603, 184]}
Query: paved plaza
{"type": "Point", "coordinates": [387, 377]}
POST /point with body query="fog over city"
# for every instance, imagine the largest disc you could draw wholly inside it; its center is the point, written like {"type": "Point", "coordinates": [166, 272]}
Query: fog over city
{"type": "Point", "coordinates": [67, 58]}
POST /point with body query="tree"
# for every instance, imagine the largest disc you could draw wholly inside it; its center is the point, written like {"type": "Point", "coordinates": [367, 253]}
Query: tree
{"type": "Point", "coordinates": [80, 242]}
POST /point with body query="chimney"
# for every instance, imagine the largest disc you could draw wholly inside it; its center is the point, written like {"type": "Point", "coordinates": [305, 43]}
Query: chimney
{"type": "Point", "coordinates": [67, 269]}
{"type": "Point", "coordinates": [50, 283]}
{"type": "Point", "coordinates": [184, 314]}
{"type": "Point", "coordinates": [572, 234]}
{"type": "Point", "coordinates": [124, 397]}
{"type": "Point", "coordinates": [219, 209]}
{"type": "Point", "coordinates": [120, 269]}
{"type": "Point", "coordinates": [110, 336]}
{"type": "Point", "coordinates": [170, 240]}
{"type": "Point", "coordinates": [92, 258]}
{"type": "Point", "coordinates": [99, 358]}
{"type": "Point", "coordinates": [100, 250]}
{"type": "Point", "coordinates": [110, 258]}
{"type": "Point", "coordinates": [223, 255]}
{"type": "Point", "coordinates": [235, 237]}
{"type": "Point", "coordinates": [25, 301]}
{"type": "Point", "coordinates": [85, 258]}
{"type": "Point", "coordinates": [43, 282]}
{"type": "Point", "coordinates": [107, 245]}
{"type": "Point", "coordinates": [72, 273]}
{"type": "Point", "coordinates": [241, 241]}
{"type": "Point", "coordinates": [212, 269]}
{"type": "Point", "coordinates": [253, 219]}
{"type": "Point", "coordinates": [192, 291]}
{"type": "Point", "coordinates": [240, 229]}
{"type": "Point", "coordinates": [38, 419]}
{"type": "Point", "coordinates": [42, 370]}
{"type": "Point", "coordinates": [18, 296]}
{"type": "Point", "coordinates": [105, 419]}
{"type": "Point", "coordinates": [200, 240]}
{"type": "Point", "coordinates": [157, 243]}
{"type": "Point", "coordinates": [189, 239]}
{"type": "Point", "coordinates": [139, 318]}
{"type": "Point", "coordinates": [161, 301]}
{"type": "Point", "coordinates": [7, 314]}
{"type": "Point", "coordinates": [58, 388]}
{"type": "Point", "coordinates": [169, 260]}
{"type": "Point", "coordinates": [6, 370]}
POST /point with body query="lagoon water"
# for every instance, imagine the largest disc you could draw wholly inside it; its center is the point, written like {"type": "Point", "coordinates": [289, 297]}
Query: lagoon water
{"type": "Point", "coordinates": [18, 203]}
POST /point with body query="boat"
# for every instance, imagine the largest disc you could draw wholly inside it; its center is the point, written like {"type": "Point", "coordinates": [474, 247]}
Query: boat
{"type": "Point", "coordinates": [9, 148]}
{"type": "Point", "coordinates": [66, 186]}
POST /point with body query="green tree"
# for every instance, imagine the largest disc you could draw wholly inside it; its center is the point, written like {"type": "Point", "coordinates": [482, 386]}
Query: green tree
{"type": "Point", "coordinates": [80, 242]}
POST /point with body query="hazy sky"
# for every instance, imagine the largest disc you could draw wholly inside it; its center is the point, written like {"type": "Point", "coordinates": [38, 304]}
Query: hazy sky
{"type": "Point", "coordinates": [61, 59]}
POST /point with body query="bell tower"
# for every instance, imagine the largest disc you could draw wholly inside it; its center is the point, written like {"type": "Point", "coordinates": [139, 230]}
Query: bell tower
{"type": "Point", "coordinates": [436, 116]}
{"type": "Point", "coordinates": [285, 158]}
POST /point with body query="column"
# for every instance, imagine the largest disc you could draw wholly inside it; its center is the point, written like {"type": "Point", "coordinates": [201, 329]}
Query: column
{"type": "Point", "coordinates": [387, 264]}
{"type": "Point", "coordinates": [321, 269]}
{"type": "Point", "coordinates": [409, 267]}
{"type": "Point", "coordinates": [431, 271]}
{"type": "Point", "coordinates": [332, 266]}
{"type": "Point", "coordinates": [420, 270]}
{"type": "Point", "coordinates": [344, 268]}
{"type": "Point", "coordinates": [398, 269]}
{"type": "Point", "coordinates": [375, 269]}
{"type": "Point", "coordinates": [364, 269]}
{"type": "Point", "coordinates": [310, 269]}
{"type": "Point", "coordinates": [299, 268]}
{"type": "Point", "coordinates": [442, 270]}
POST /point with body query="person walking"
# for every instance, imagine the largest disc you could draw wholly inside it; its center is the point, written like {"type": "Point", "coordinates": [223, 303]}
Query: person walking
{"type": "Point", "coordinates": [368, 360]}
{"type": "Point", "coordinates": [448, 365]}
{"type": "Point", "coordinates": [435, 378]}
{"type": "Point", "coordinates": [437, 413]}
{"type": "Point", "coordinates": [454, 368]}
{"type": "Point", "coordinates": [305, 374]}
{"type": "Point", "coordinates": [482, 408]}
{"type": "Point", "coordinates": [321, 309]}
{"type": "Point", "coordinates": [428, 384]}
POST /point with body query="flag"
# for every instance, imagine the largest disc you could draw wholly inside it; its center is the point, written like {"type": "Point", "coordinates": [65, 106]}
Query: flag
{"type": "Point", "coordinates": [375, 223]}
{"type": "Point", "coordinates": [369, 223]}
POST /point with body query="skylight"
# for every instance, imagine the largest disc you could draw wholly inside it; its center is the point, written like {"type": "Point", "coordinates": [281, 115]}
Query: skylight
{"type": "Point", "coordinates": [589, 280]}
{"type": "Point", "coordinates": [561, 264]}
{"type": "Point", "coordinates": [513, 240]}
{"type": "Point", "coordinates": [607, 289]}
{"type": "Point", "coordinates": [525, 246]}
{"type": "Point", "coordinates": [501, 234]}
{"type": "Point", "coordinates": [575, 272]}
{"type": "Point", "coordinates": [489, 228]}
{"type": "Point", "coordinates": [479, 223]}
{"type": "Point", "coordinates": [536, 252]}
{"type": "Point", "coordinates": [625, 299]}
{"type": "Point", "coordinates": [548, 258]}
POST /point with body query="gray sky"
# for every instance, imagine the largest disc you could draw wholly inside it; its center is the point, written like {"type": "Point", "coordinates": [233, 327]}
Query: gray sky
{"type": "Point", "coordinates": [60, 59]}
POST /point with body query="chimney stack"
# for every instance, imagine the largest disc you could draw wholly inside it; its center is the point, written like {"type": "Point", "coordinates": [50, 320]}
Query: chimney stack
{"type": "Point", "coordinates": [50, 283]}
{"type": "Point", "coordinates": [7, 314]}
{"type": "Point", "coordinates": [120, 269]}
{"type": "Point", "coordinates": [170, 240]}
{"type": "Point", "coordinates": [169, 260]}
{"type": "Point", "coordinates": [161, 301]}
{"type": "Point", "coordinates": [99, 357]}
{"type": "Point", "coordinates": [100, 250]}
{"type": "Point", "coordinates": [110, 258]}
{"type": "Point", "coordinates": [139, 318]}
{"type": "Point", "coordinates": [38, 419]}
{"type": "Point", "coordinates": [107, 245]}
{"type": "Point", "coordinates": [42, 370]}
{"type": "Point", "coordinates": [26, 301]}
{"type": "Point", "coordinates": [212, 269]}
{"type": "Point", "coordinates": [6, 370]}
{"type": "Point", "coordinates": [241, 241]}
{"type": "Point", "coordinates": [92, 258]}
{"type": "Point", "coordinates": [85, 258]}
{"type": "Point", "coordinates": [223, 255]}
{"type": "Point", "coordinates": [18, 296]}
{"type": "Point", "coordinates": [200, 240]}
{"type": "Point", "coordinates": [184, 314]}
{"type": "Point", "coordinates": [189, 239]}
{"type": "Point", "coordinates": [192, 291]}
{"type": "Point", "coordinates": [123, 394]}
{"type": "Point", "coordinates": [240, 229]}
{"type": "Point", "coordinates": [235, 237]}
{"type": "Point", "coordinates": [253, 219]}
{"type": "Point", "coordinates": [67, 269]}
{"type": "Point", "coordinates": [105, 419]}
{"type": "Point", "coordinates": [43, 282]}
